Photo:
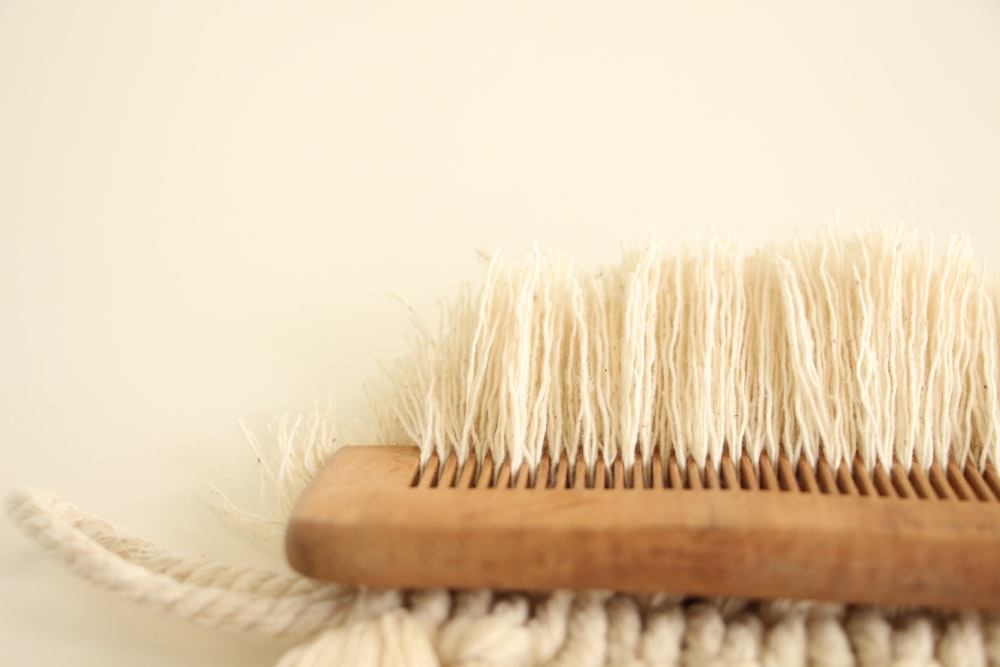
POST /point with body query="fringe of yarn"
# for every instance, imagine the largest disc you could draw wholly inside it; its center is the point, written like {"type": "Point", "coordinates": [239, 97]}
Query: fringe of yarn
{"type": "Point", "coordinates": [292, 451]}
{"type": "Point", "coordinates": [866, 344]}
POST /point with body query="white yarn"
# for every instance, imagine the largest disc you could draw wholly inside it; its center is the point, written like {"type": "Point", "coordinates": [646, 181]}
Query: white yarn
{"type": "Point", "coordinates": [867, 344]}
{"type": "Point", "coordinates": [228, 598]}
{"type": "Point", "coordinates": [294, 451]}
{"type": "Point", "coordinates": [864, 345]}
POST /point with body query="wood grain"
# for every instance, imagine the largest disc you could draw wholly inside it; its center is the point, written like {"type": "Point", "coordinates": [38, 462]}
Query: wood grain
{"type": "Point", "coordinates": [367, 519]}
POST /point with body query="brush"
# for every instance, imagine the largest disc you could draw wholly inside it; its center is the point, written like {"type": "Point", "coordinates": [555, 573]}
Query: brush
{"type": "Point", "coordinates": [816, 420]}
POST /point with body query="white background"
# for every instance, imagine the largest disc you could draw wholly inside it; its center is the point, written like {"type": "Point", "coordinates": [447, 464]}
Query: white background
{"type": "Point", "coordinates": [205, 208]}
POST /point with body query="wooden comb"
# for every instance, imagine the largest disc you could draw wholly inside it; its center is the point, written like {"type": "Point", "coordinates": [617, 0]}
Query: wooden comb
{"type": "Point", "coordinates": [790, 530]}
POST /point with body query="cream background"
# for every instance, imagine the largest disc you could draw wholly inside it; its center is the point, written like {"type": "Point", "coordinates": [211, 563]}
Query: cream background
{"type": "Point", "coordinates": [205, 208]}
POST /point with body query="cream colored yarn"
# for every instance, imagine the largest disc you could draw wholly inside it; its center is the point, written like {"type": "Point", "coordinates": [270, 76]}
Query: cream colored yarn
{"type": "Point", "coordinates": [864, 344]}
{"type": "Point", "coordinates": [868, 344]}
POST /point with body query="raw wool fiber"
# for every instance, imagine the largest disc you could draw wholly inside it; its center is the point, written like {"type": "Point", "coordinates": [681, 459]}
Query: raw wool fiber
{"type": "Point", "coordinates": [343, 625]}
{"type": "Point", "coordinates": [866, 344]}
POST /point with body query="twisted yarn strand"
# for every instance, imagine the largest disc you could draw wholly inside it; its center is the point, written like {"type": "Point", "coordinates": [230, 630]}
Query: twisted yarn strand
{"type": "Point", "coordinates": [235, 599]}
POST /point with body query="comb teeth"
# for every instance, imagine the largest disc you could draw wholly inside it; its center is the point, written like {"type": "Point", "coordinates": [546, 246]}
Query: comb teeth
{"type": "Point", "coordinates": [938, 483]}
